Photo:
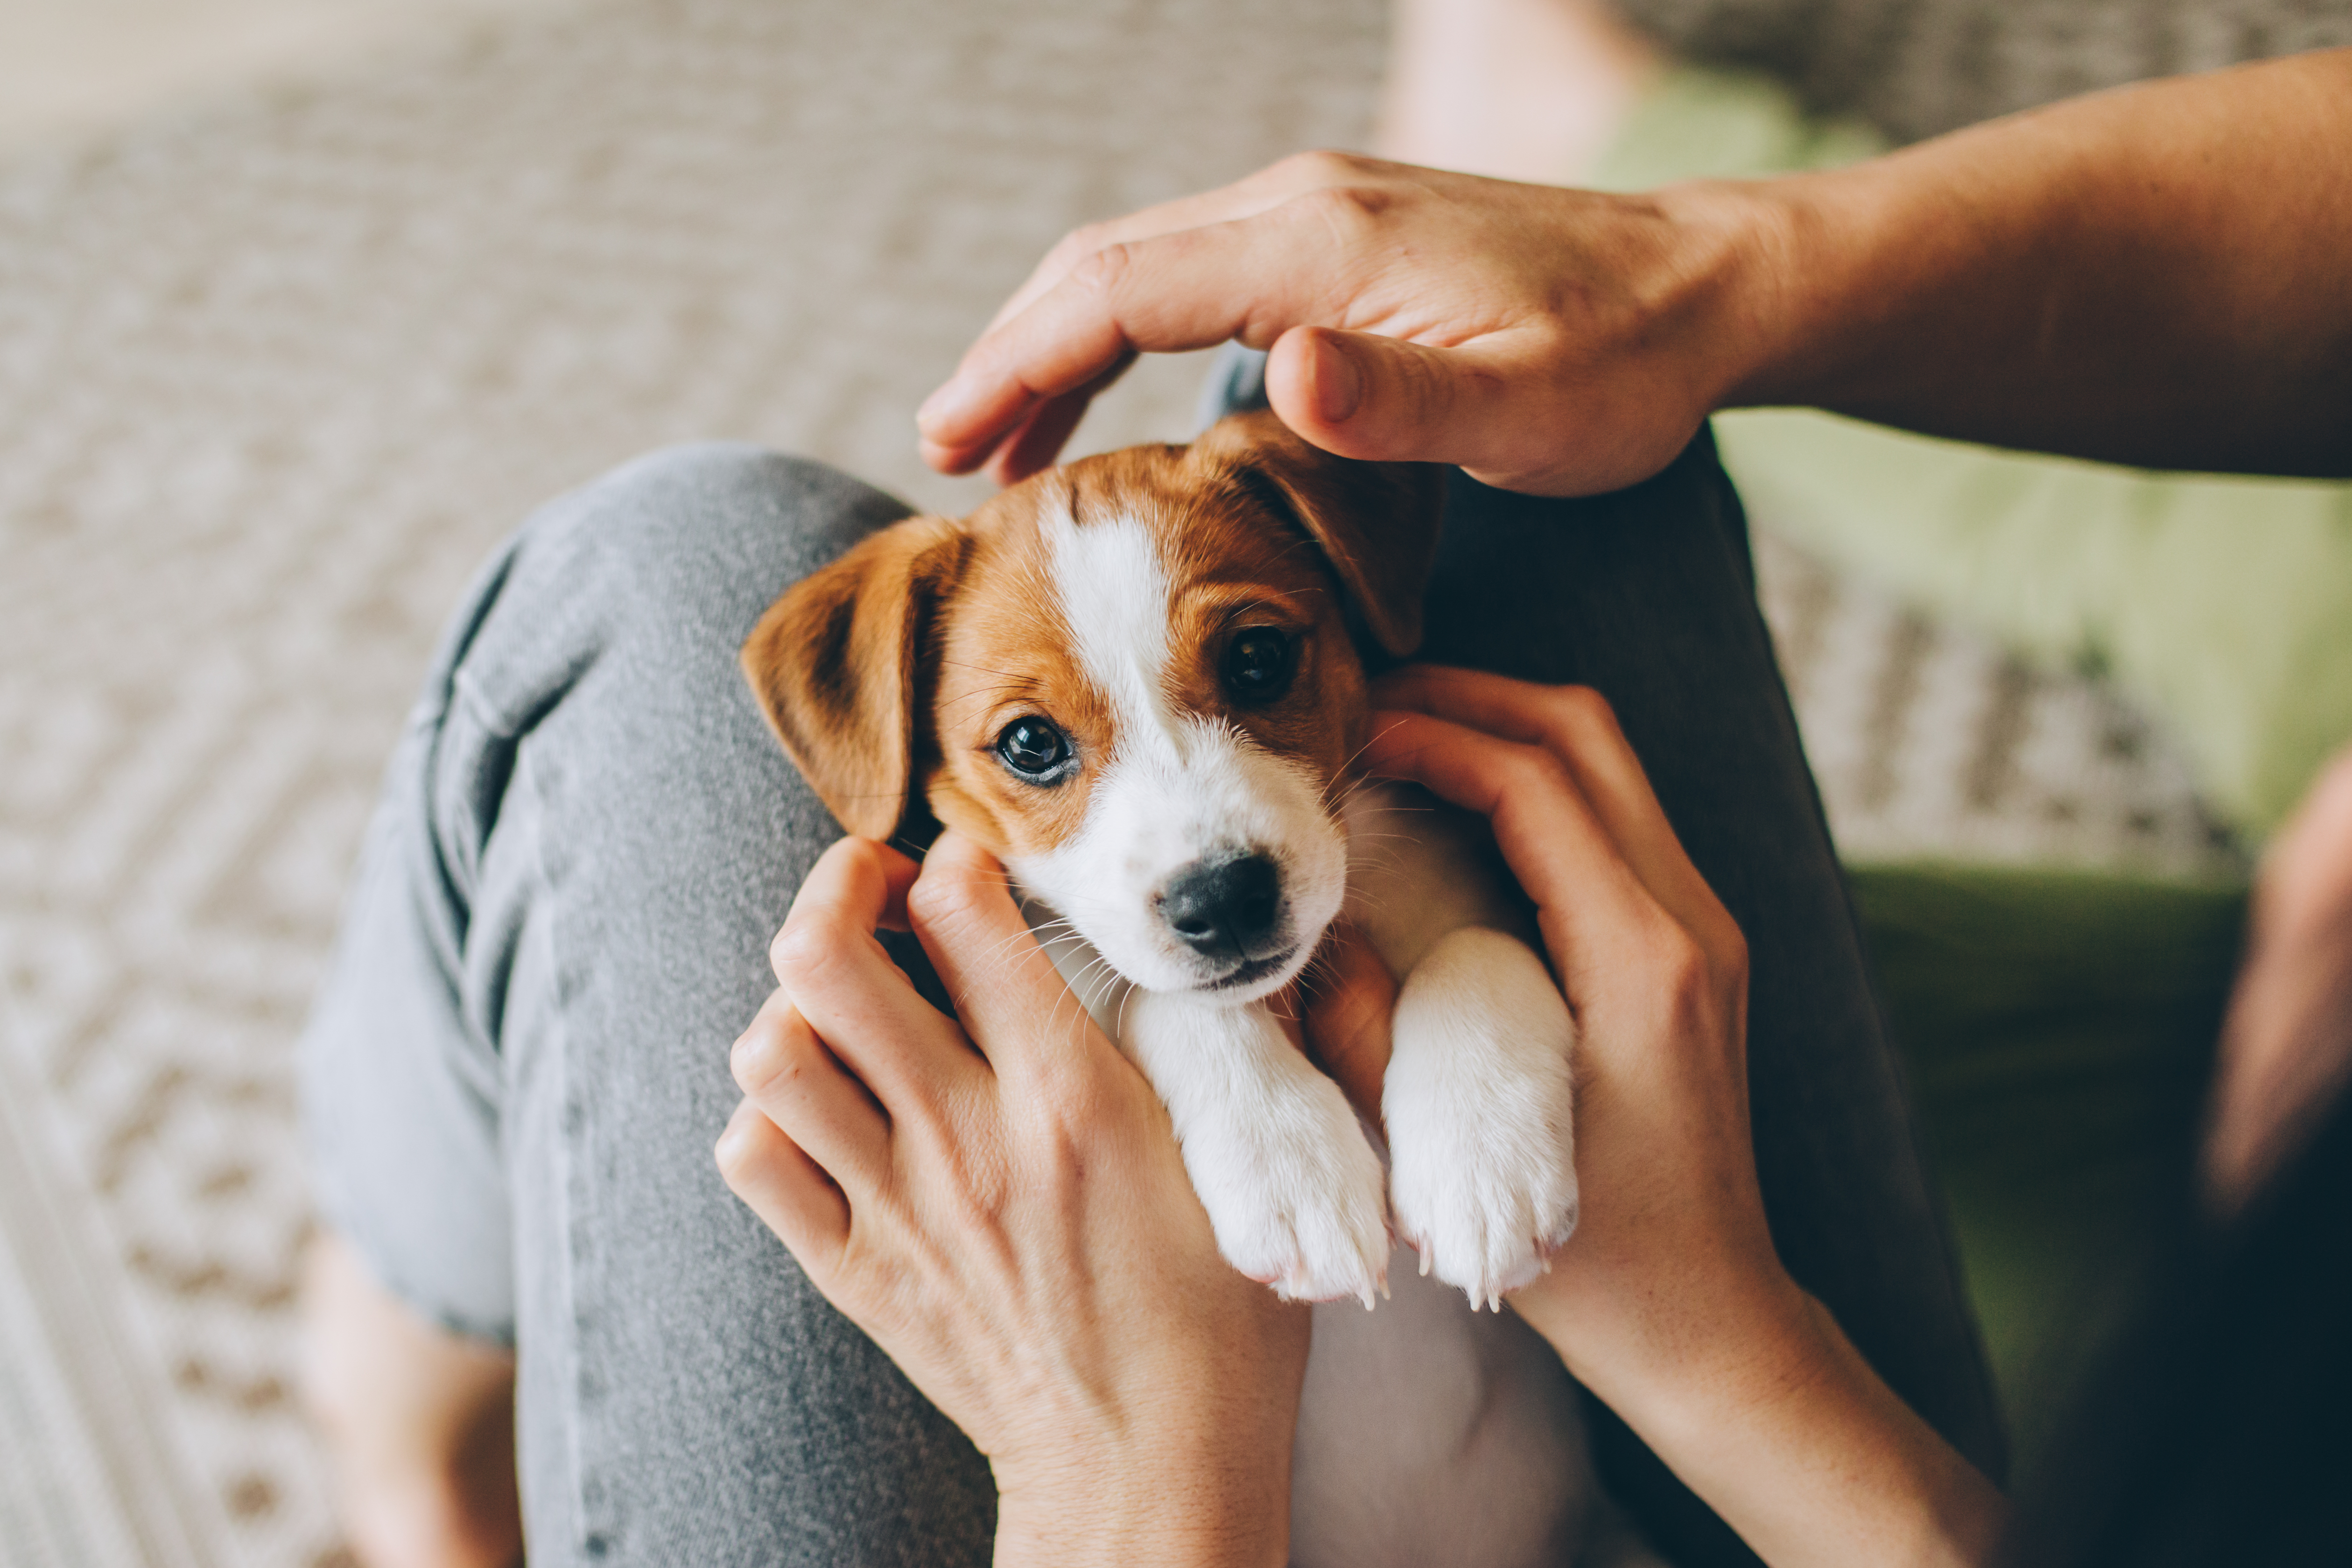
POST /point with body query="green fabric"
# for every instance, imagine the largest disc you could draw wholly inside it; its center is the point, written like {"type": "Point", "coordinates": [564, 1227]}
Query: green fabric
{"type": "Point", "coordinates": [2225, 604]}
{"type": "Point", "coordinates": [2057, 1033]}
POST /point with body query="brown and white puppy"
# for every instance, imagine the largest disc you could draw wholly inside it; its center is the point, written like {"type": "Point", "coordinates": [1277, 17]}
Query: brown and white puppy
{"type": "Point", "coordinates": [1136, 679]}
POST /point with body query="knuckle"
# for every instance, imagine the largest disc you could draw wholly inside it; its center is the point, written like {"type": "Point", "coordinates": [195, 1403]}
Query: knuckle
{"type": "Point", "coordinates": [1323, 166]}
{"type": "Point", "coordinates": [865, 855]}
{"type": "Point", "coordinates": [1350, 208]}
{"type": "Point", "coordinates": [1677, 966]}
{"type": "Point", "coordinates": [1584, 703]}
{"type": "Point", "coordinates": [734, 1157]}
{"type": "Point", "coordinates": [802, 954]}
{"type": "Point", "coordinates": [1729, 946]}
{"type": "Point", "coordinates": [1102, 271]}
{"type": "Point", "coordinates": [742, 1155]}
{"type": "Point", "coordinates": [1083, 240]}
{"type": "Point", "coordinates": [942, 902]}
{"type": "Point", "coordinates": [1531, 769]}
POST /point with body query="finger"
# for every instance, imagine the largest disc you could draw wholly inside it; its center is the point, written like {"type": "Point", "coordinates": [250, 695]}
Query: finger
{"type": "Point", "coordinates": [790, 1192]}
{"type": "Point", "coordinates": [1006, 990]}
{"type": "Point", "coordinates": [1243, 198]}
{"type": "Point", "coordinates": [1166, 294]}
{"type": "Point", "coordinates": [1576, 725]}
{"type": "Point", "coordinates": [1351, 1001]}
{"type": "Point", "coordinates": [781, 1066]}
{"type": "Point", "coordinates": [1038, 441]}
{"type": "Point", "coordinates": [1595, 910]}
{"type": "Point", "coordinates": [860, 1004]}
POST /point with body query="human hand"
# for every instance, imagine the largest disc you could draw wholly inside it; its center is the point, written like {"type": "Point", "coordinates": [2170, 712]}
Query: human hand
{"type": "Point", "coordinates": [1672, 1226]}
{"type": "Point", "coordinates": [1669, 1303]}
{"type": "Point", "coordinates": [2286, 1044]}
{"type": "Point", "coordinates": [1550, 340]}
{"type": "Point", "coordinates": [1006, 1213]}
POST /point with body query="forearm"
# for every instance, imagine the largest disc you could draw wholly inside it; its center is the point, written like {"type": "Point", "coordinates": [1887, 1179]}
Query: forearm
{"type": "Point", "coordinates": [1770, 1414]}
{"type": "Point", "coordinates": [2153, 276]}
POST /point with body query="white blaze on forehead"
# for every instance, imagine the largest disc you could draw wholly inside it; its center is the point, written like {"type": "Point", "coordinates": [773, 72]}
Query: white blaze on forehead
{"type": "Point", "coordinates": [1116, 600]}
{"type": "Point", "coordinates": [1177, 786]}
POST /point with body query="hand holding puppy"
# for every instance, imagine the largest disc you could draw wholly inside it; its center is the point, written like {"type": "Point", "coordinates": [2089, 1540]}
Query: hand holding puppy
{"type": "Point", "coordinates": [1669, 1301]}
{"type": "Point", "coordinates": [1007, 1215]}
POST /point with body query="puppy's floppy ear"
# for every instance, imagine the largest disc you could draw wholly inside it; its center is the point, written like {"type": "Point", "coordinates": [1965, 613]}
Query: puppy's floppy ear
{"type": "Point", "coordinates": [1377, 521]}
{"type": "Point", "coordinates": [834, 661]}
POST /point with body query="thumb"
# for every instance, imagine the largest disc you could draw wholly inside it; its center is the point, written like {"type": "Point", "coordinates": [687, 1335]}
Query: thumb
{"type": "Point", "coordinates": [1490, 407]}
{"type": "Point", "coordinates": [1385, 400]}
{"type": "Point", "coordinates": [1007, 992]}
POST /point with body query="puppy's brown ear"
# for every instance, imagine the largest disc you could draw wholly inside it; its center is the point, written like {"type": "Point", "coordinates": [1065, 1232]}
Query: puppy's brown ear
{"type": "Point", "coordinates": [1377, 521]}
{"type": "Point", "coordinates": [833, 664]}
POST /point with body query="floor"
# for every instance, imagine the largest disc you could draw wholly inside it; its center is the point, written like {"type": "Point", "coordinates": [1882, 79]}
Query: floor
{"type": "Point", "coordinates": [70, 68]}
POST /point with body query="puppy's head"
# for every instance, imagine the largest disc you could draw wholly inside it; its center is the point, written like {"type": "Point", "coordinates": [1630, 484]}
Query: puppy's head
{"type": "Point", "coordinates": [1132, 678]}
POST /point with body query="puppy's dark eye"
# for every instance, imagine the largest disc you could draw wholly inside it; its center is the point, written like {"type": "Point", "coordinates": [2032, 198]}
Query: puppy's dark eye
{"type": "Point", "coordinates": [1033, 748]}
{"type": "Point", "coordinates": [1259, 664]}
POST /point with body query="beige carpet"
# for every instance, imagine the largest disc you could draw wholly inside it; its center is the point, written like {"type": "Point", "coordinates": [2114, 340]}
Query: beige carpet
{"type": "Point", "coordinates": [272, 378]}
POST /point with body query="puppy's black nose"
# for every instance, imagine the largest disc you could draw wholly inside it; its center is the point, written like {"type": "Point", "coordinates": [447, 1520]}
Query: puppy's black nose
{"type": "Point", "coordinates": [1224, 909]}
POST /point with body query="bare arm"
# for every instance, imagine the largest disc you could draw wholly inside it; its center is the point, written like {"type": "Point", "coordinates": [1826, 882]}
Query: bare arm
{"type": "Point", "coordinates": [2153, 275]}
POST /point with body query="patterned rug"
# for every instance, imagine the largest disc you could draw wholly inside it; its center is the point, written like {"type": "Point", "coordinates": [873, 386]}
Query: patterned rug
{"type": "Point", "coordinates": [274, 376]}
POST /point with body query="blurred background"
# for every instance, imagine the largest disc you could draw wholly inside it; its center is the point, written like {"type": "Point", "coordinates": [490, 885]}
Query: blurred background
{"type": "Point", "coordinates": [304, 304]}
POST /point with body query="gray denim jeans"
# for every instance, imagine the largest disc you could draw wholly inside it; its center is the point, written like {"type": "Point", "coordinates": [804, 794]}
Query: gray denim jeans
{"type": "Point", "coordinates": [517, 1071]}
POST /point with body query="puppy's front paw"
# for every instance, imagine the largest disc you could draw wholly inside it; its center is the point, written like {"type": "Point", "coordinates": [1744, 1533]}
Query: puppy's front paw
{"type": "Point", "coordinates": [1294, 1191]}
{"type": "Point", "coordinates": [1481, 1170]}
{"type": "Point", "coordinates": [1292, 1186]}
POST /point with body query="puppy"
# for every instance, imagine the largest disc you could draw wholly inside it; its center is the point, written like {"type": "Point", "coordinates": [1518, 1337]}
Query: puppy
{"type": "Point", "coordinates": [1137, 679]}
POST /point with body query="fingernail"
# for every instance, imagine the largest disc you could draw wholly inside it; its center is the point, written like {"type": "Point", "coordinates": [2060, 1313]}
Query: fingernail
{"type": "Point", "coordinates": [1339, 384]}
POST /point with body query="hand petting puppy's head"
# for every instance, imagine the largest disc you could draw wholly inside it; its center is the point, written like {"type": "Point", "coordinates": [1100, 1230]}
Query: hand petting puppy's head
{"type": "Point", "coordinates": [1132, 678]}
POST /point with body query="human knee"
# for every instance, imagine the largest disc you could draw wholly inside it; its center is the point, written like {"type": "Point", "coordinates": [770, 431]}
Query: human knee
{"type": "Point", "coordinates": [677, 516]}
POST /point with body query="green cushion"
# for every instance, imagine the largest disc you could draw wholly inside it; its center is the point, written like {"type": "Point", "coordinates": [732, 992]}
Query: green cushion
{"type": "Point", "coordinates": [2057, 1033]}
{"type": "Point", "coordinates": [2224, 604]}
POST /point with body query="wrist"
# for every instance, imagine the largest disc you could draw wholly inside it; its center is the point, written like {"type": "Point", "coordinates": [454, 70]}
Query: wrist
{"type": "Point", "coordinates": [1739, 271]}
{"type": "Point", "coordinates": [1755, 242]}
{"type": "Point", "coordinates": [1145, 1516]}
{"type": "Point", "coordinates": [1203, 1489]}
{"type": "Point", "coordinates": [1682, 1375]}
